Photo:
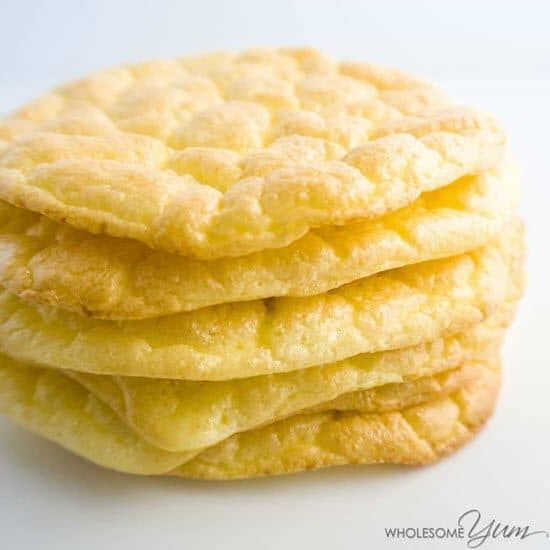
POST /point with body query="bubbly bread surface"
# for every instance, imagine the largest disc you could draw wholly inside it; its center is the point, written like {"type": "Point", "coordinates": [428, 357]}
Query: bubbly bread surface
{"type": "Point", "coordinates": [100, 276]}
{"type": "Point", "coordinates": [225, 155]}
{"type": "Point", "coordinates": [414, 435]}
{"type": "Point", "coordinates": [179, 415]}
{"type": "Point", "coordinates": [394, 309]}
{"type": "Point", "coordinates": [445, 413]}
{"type": "Point", "coordinates": [236, 265]}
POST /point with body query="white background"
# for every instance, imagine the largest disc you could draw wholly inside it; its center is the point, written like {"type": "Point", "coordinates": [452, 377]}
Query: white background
{"type": "Point", "coordinates": [493, 54]}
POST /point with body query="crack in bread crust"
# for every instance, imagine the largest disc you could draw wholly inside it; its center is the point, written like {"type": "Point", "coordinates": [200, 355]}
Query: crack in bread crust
{"type": "Point", "coordinates": [239, 153]}
{"type": "Point", "coordinates": [52, 264]}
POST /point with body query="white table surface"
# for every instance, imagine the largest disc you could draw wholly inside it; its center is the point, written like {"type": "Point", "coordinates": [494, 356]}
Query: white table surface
{"type": "Point", "coordinates": [50, 499]}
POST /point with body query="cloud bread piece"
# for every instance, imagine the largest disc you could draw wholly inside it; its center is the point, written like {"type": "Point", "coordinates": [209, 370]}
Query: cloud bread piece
{"type": "Point", "coordinates": [50, 404]}
{"type": "Point", "coordinates": [415, 435]}
{"type": "Point", "coordinates": [49, 263]}
{"type": "Point", "coordinates": [179, 415]}
{"type": "Point", "coordinates": [227, 155]}
{"type": "Point", "coordinates": [398, 308]}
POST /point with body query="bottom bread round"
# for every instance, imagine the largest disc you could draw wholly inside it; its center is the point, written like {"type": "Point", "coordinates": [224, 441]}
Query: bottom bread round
{"type": "Point", "coordinates": [413, 422]}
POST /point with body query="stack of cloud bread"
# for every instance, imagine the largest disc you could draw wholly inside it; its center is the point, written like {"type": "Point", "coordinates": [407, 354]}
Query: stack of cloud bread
{"type": "Point", "coordinates": [236, 265]}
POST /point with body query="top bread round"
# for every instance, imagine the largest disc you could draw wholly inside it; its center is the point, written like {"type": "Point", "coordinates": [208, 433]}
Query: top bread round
{"type": "Point", "coordinates": [224, 155]}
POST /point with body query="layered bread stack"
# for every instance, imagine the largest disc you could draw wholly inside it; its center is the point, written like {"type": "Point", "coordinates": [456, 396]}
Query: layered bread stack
{"type": "Point", "coordinates": [234, 265]}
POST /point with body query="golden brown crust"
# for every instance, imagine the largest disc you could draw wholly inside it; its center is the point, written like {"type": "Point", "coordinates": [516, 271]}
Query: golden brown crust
{"type": "Point", "coordinates": [180, 415]}
{"type": "Point", "coordinates": [417, 435]}
{"type": "Point", "coordinates": [237, 153]}
{"type": "Point", "coordinates": [53, 264]}
{"type": "Point", "coordinates": [48, 403]}
{"type": "Point", "coordinates": [411, 392]}
{"type": "Point", "coordinates": [391, 310]}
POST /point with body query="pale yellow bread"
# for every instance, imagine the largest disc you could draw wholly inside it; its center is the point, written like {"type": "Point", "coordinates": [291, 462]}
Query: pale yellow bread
{"type": "Point", "coordinates": [395, 309]}
{"type": "Point", "coordinates": [398, 395]}
{"type": "Point", "coordinates": [49, 263]}
{"type": "Point", "coordinates": [47, 402]}
{"type": "Point", "coordinates": [226, 155]}
{"type": "Point", "coordinates": [179, 415]}
{"type": "Point", "coordinates": [415, 435]}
